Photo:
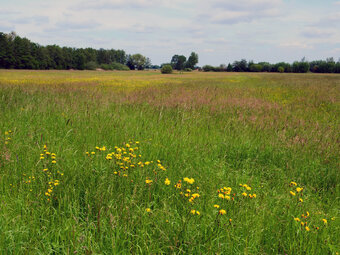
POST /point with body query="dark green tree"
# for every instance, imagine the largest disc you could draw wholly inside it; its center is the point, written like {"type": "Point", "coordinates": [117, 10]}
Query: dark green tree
{"type": "Point", "coordinates": [178, 62]}
{"type": "Point", "coordinates": [192, 60]}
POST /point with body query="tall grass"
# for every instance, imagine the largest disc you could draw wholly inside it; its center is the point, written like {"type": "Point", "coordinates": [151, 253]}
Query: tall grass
{"type": "Point", "coordinates": [234, 135]}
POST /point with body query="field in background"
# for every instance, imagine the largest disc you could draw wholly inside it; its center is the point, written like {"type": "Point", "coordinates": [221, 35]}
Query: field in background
{"type": "Point", "coordinates": [224, 163]}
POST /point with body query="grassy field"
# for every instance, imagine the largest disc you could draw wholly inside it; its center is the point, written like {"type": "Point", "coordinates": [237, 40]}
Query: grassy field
{"type": "Point", "coordinates": [193, 163]}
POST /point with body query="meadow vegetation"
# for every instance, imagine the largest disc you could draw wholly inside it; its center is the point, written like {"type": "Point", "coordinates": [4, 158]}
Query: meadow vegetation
{"type": "Point", "coordinates": [185, 163]}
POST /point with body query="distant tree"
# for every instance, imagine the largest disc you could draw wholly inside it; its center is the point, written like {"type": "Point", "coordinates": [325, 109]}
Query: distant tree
{"type": "Point", "coordinates": [300, 67]}
{"type": "Point", "coordinates": [148, 64]}
{"type": "Point", "coordinates": [208, 68]}
{"type": "Point", "coordinates": [266, 67]}
{"type": "Point", "coordinates": [6, 52]}
{"type": "Point", "coordinates": [192, 60]}
{"type": "Point", "coordinates": [178, 62]}
{"type": "Point", "coordinates": [240, 66]}
{"type": "Point", "coordinates": [337, 67]}
{"type": "Point", "coordinates": [80, 60]}
{"type": "Point", "coordinates": [281, 69]}
{"type": "Point", "coordinates": [90, 65]}
{"type": "Point", "coordinates": [255, 68]}
{"type": "Point", "coordinates": [229, 68]}
{"type": "Point", "coordinates": [136, 61]}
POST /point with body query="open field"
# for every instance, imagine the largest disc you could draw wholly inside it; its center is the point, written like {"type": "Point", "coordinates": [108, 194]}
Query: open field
{"type": "Point", "coordinates": [195, 163]}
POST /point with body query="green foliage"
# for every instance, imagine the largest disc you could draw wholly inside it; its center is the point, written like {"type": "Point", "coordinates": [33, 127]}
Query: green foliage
{"type": "Point", "coordinates": [20, 53]}
{"type": "Point", "coordinates": [192, 60]}
{"type": "Point", "coordinates": [280, 69]}
{"type": "Point", "coordinates": [178, 62]}
{"type": "Point", "coordinates": [137, 62]}
{"type": "Point", "coordinates": [114, 66]}
{"type": "Point", "coordinates": [91, 65]}
{"type": "Point", "coordinates": [300, 67]}
{"type": "Point", "coordinates": [229, 68]}
{"type": "Point", "coordinates": [255, 68]}
{"type": "Point", "coordinates": [208, 68]}
{"type": "Point", "coordinates": [166, 69]}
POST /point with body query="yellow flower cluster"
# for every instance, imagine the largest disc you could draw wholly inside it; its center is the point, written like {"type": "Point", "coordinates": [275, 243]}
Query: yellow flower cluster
{"type": "Point", "coordinates": [247, 188]}
{"type": "Point", "coordinates": [195, 212]}
{"type": "Point", "coordinates": [167, 181]}
{"type": "Point", "coordinates": [189, 180]}
{"type": "Point", "coordinates": [305, 217]}
{"type": "Point", "coordinates": [224, 193]}
{"type": "Point", "coordinates": [296, 192]}
{"type": "Point", "coordinates": [7, 136]}
{"type": "Point", "coordinates": [49, 159]}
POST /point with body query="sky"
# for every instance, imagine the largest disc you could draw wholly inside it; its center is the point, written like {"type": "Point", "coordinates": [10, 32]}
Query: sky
{"type": "Point", "coordinates": [219, 31]}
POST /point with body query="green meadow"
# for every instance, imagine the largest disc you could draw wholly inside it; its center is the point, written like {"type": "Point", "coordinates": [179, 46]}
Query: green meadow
{"type": "Point", "coordinates": [188, 163]}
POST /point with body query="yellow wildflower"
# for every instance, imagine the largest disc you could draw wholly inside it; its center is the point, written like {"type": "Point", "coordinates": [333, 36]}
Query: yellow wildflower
{"type": "Point", "coordinates": [148, 181]}
{"type": "Point", "coordinates": [292, 193]}
{"type": "Point", "coordinates": [167, 181]}
{"type": "Point", "coordinates": [221, 196]}
{"type": "Point", "coordinates": [244, 194]}
{"type": "Point", "coordinates": [324, 221]}
{"type": "Point", "coordinates": [301, 200]}
{"type": "Point", "coordinates": [217, 206]}
{"type": "Point", "coordinates": [195, 195]}
{"type": "Point", "coordinates": [293, 184]}
{"type": "Point", "coordinates": [307, 228]}
{"type": "Point", "coordinates": [189, 180]}
{"type": "Point", "coordinates": [222, 212]}
{"type": "Point", "coordinates": [148, 210]}
{"type": "Point", "coordinates": [299, 189]}
{"type": "Point", "coordinates": [296, 219]}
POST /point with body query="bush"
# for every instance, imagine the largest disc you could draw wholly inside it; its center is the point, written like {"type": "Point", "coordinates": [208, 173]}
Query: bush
{"type": "Point", "coordinates": [166, 69]}
{"type": "Point", "coordinates": [114, 66]}
{"type": "Point", "coordinates": [208, 68]}
{"type": "Point", "coordinates": [91, 65]}
{"type": "Point", "coordinates": [187, 69]}
{"type": "Point", "coordinates": [255, 68]}
{"type": "Point", "coordinates": [280, 69]}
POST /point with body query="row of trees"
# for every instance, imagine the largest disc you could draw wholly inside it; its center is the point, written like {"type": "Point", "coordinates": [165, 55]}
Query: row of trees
{"type": "Point", "coordinates": [303, 66]}
{"type": "Point", "coordinates": [180, 62]}
{"type": "Point", "coordinates": [21, 53]}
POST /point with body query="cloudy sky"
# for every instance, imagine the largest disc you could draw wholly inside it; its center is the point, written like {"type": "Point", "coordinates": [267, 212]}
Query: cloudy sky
{"type": "Point", "coordinates": [220, 31]}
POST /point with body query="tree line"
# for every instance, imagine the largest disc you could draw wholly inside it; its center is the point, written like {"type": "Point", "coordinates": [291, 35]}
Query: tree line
{"type": "Point", "coordinates": [303, 66]}
{"type": "Point", "coordinates": [21, 53]}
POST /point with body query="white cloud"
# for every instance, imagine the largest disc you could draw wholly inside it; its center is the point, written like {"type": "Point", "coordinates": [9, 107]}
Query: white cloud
{"type": "Point", "coordinates": [296, 45]}
{"type": "Point", "coordinates": [315, 32]}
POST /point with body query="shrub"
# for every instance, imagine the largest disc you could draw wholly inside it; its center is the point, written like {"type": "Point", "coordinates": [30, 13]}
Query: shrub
{"type": "Point", "coordinates": [166, 69]}
{"type": "Point", "coordinates": [114, 66]}
{"type": "Point", "coordinates": [255, 68]}
{"type": "Point", "coordinates": [280, 69]}
{"type": "Point", "coordinates": [187, 69]}
{"type": "Point", "coordinates": [91, 65]}
{"type": "Point", "coordinates": [208, 68]}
